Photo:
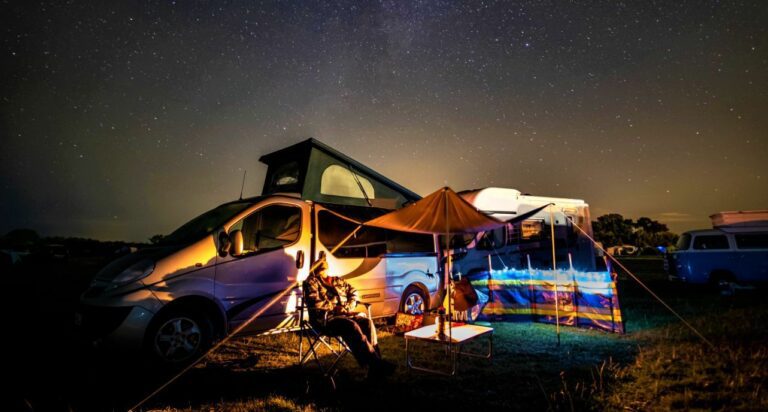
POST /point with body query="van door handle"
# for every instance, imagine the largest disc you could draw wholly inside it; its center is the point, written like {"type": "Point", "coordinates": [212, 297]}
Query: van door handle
{"type": "Point", "coordinates": [299, 259]}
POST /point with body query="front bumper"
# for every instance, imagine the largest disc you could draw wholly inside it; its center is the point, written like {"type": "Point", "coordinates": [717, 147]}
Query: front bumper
{"type": "Point", "coordinates": [116, 322]}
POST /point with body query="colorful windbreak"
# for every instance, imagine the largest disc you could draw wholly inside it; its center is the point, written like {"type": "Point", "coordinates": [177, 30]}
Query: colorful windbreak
{"type": "Point", "coordinates": [584, 299]}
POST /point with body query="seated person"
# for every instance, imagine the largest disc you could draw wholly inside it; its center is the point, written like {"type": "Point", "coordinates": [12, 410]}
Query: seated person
{"type": "Point", "coordinates": [330, 302]}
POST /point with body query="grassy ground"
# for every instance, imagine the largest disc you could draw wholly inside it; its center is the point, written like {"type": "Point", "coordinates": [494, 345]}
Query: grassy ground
{"type": "Point", "coordinates": [658, 365]}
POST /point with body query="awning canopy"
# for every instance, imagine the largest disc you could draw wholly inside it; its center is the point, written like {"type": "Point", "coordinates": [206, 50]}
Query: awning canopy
{"type": "Point", "coordinates": [443, 211]}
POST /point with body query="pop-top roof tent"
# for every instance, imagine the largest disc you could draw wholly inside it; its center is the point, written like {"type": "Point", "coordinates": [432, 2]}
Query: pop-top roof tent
{"type": "Point", "coordinates": [741, 218]}
{"type": "Point", "coordinates": [322, 174]}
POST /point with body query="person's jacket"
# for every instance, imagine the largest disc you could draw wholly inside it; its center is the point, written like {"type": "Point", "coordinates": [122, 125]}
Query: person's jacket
{"type": "Point", "coordinates": [321, 298]}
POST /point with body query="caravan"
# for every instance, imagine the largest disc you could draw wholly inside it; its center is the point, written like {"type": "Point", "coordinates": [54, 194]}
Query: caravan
{"type": "Point", "coordinates": [213, 273]}
{"type": "Point", "coordinates": [528, 243]}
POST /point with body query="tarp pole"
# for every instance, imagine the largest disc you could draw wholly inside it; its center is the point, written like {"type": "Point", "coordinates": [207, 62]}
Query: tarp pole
{"type": "Point", "coordinates": [554, 271]}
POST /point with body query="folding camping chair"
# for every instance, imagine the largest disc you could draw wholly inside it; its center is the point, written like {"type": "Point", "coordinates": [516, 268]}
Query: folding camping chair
{"type": "Point", "coordinates": [315, 338]}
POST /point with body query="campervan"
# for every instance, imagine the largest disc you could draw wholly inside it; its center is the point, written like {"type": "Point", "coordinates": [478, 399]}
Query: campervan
{"type": "Point", "coordinates": [735, 250]}
{"type": "Point", "coordinates": [527, 243]}
{"type": "Point", "coordinates": [213, 273]}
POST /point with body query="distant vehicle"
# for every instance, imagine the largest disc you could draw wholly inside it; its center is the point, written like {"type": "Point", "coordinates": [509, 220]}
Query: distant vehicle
{"type": "Point", "coordinates": [517, 245]}
{"type": "Point", "coordinates": [623, 250]}
{"type": "Point", "coordinates": [736, 253]}
{"type": "Point", "coordinates": [55, 252]}
{"type": "Point", "coordinates": [213, 273]}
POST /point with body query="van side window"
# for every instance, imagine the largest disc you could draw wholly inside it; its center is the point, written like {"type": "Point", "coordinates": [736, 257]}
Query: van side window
{"type": "Point", "coordinates": [752, 241]}
{"type": "Point", "coordinates": [369, 241]}
{"type": "Point", "coordinates": [272, 227]}
{"type": "Point", "coordinates": [709, 242]}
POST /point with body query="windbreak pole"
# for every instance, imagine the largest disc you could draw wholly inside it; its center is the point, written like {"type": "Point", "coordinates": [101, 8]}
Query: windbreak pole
{"type": "Point", "coordinates": [554, 271]}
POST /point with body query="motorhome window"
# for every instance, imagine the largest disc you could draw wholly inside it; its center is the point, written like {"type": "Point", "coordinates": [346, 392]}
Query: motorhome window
{"type": "Point", "coordinates": [512, 234]}
{"type": "Point", "coordinates": [752, 241]}
{"type": "Point", "coordinates": [532, 230]}
{"type": "Point", "coordinates": [684, 242]}
{"type": "Point", "coordinates": [204, 224]}
{"type": "Point", "coordinates": [285, 178]}
{"type": "Point", "coordinates": [492, 239]}
{"type": "Point", "coordinates": [272, 227]}
{"type": "Point", "coordinates": [340, 181]}
{"type": "Point", "coordinates": [709, 242]}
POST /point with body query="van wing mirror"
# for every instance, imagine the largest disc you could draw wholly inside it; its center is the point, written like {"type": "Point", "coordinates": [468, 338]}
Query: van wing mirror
{"type": "Point", "coordinates": [224, 243]}
{"type": "Point", "coordinates": [236, 237]}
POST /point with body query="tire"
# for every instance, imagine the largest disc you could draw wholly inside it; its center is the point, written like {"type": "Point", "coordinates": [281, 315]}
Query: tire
{"type": "Point", "coordinates": [179, 337]}
{"type": "Point", "coordinates": [720, 281]}
{"type": "Point", "coordinates": [414, 301]}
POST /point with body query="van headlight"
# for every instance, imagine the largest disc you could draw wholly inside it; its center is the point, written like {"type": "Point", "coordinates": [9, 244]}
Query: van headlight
{"type": "Point", "coordinates": [137, 271]}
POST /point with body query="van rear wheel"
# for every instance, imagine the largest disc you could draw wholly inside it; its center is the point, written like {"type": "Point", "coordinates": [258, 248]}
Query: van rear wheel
{"type": "Point", "coordinates": [414, 301]}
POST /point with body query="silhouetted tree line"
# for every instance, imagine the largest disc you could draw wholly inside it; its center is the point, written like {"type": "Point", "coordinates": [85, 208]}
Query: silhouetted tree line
{"type": "Point", "coordinates": [29, 241]}
{"type": "Point", "coordinates": [613, 230]}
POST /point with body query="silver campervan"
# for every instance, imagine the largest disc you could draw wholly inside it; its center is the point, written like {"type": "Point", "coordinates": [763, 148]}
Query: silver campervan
{"type": "Point", "coordinates": [213, 273]}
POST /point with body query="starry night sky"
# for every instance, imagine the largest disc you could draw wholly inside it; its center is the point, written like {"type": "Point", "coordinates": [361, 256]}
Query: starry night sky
{"type": "Point", "coordinates": [124, 120]}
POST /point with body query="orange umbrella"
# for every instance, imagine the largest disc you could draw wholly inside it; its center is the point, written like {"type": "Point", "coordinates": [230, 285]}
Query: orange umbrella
{"type": "Point", "coordinates": [441, 212]}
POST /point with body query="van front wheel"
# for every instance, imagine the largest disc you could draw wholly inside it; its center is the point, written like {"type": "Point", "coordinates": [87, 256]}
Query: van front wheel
{"type": "Point", "coordinates": [179, 338]}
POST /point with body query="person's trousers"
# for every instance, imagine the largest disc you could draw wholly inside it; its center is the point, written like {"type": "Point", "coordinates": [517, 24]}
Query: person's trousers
{"type": "Point", "coordinates": [356, 332]}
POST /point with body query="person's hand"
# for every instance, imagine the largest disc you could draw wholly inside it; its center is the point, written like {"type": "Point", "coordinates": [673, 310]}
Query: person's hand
{"type": "Point", "coordinates": [338, 310]}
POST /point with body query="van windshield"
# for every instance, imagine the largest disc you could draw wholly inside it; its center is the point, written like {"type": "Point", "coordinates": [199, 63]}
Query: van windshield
{"type": "Point", "coordinates": [684, 242]}
{"type": "Point", "coordinates": [204, 224]}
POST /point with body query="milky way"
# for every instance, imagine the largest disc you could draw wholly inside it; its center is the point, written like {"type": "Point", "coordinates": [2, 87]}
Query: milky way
{"type": "Point", "coordinates": [120, 121]}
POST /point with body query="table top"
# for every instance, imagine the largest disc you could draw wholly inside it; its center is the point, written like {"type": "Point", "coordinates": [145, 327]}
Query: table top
{"type": "Point", "coordinates": [458, 334]}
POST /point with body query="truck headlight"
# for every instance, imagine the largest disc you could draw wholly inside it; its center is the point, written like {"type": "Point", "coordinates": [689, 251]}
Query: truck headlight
{"type": "Point", "coordinates": [137, 271]}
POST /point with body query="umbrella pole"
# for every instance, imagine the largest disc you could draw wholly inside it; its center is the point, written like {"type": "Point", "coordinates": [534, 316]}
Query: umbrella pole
{"type": "Point", "coordinates": [448, 272]}
{"type": "Point", "coordinates": [554, 271]}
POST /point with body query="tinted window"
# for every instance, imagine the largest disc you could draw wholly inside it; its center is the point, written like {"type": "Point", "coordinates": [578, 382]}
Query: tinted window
{"type": "Point", "coordinates": [285, 179]}
{"type": "Point", "coordinates": [684, 242]}
{"type": "Point", "coordinates": [270, 228]}
{"type": "Point", "coordinates": [752, 241]}
{"type": "Point", "coordinates": [368, 241]}
{"type": "Point", "coordinates": [709, 242]}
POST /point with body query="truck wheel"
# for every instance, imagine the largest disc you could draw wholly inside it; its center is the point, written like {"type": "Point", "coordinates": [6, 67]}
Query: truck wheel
{"type": "Point", "coordinates": [414, 301]}
{"type": "Point", "coordinates": [178, 337]}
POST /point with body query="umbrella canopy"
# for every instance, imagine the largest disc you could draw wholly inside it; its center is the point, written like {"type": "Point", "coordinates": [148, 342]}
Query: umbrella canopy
{"type": "Point", "coordinates": [441, 212]}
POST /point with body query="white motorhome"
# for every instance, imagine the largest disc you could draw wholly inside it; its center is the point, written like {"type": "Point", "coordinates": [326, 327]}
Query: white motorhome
{"type": "Point", "coordinates": [213, 273]}
{"type": "Point", "coordinates": [528, 242]}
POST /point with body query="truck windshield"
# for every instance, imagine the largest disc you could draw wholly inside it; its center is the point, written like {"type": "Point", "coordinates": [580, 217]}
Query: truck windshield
{"type": "Point", "coordinates": [204, 224]}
